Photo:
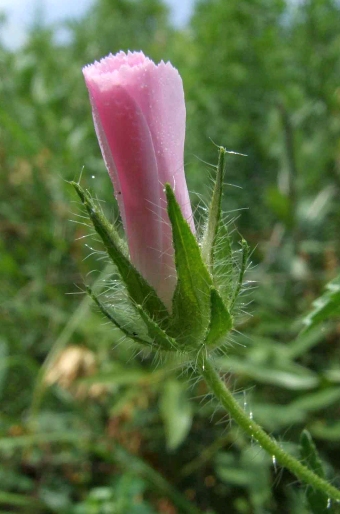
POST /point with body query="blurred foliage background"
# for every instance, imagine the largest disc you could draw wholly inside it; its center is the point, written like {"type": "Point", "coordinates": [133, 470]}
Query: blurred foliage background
{"type": "Point", "coordinates": [87, 425]}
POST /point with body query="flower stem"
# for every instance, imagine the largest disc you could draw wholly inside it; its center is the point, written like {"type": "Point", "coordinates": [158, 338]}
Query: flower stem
{"type": "Point", "coordinates": [225, 397]}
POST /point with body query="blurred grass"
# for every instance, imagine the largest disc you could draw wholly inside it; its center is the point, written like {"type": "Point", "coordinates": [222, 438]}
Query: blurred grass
{"type": "Point", "coordinates": [261, 78]}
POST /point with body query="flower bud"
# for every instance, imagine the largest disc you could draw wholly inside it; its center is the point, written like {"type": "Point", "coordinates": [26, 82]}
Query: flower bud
{"type": "Point", "coordinates": [139, 114]}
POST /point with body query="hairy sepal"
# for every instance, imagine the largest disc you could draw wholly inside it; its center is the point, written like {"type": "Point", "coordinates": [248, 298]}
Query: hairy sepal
{"type": "Point", "coordinates": [221, 321]}
{"type": "Point", "coordinates": [139, 290]}
{"type": "Point", "coordinates": [191, 301]}
{"type": "Point", "coordinates": [223, 267]}
{"type": "Point", "coordinates": [117, 320]}
{"type": "Point", "coordinates": [215, 242]}
{"type": "Point", "coordinates": [161, 341]}
{"type": "Point", "coordinates": [208, 239]}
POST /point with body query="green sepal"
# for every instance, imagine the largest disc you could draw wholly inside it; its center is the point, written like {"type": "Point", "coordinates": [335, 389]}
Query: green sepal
{"type": "Point", "coordinates": [318, 501]}
{"type": "Point", "coordinates": [140, 291]}
{"type": "Point", "coordinates": [326, 306]}
{"type": "Point", "coordinates": [191, 301]}
{"type": "Point", "coordinates": [221, 321]}
{"type": "Point", "coordinates": [242, 270]}
{"type": "Point", "coordinates": [223, 268]}
{"type": "Point", "coordinates": [115, 319]}
{"type": "Point", "coordinates": [214, 215]}
{"type": "Point", "coordinates": [160, 339]}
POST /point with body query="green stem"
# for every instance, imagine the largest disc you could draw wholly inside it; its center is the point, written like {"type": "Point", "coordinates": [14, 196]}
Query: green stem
{"type": "Point", "coordinates": [225, 397]}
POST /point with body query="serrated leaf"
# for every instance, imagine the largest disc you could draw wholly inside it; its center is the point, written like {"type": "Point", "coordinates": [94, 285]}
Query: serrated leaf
{"type": "Point", "coordinates": [140, 291]}
{"type": "Point", "coordinates": [160, 339]}
{"type": "Point", "coordinates": [220, 320]}
{"type": "Point", "coordinates": [214, 214]}
{"type": "Point", "coordinates": [317, 500]}
{"type": "Point", "coordinates": [176, 411]}
{"type": "Point", "coordinates": [191, 302]}
{"type": "Point", "coordinates": [326, 306]}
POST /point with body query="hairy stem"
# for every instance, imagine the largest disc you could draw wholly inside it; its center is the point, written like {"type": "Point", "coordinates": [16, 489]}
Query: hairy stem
{"type": "Point", "coordinates": [225, 397]}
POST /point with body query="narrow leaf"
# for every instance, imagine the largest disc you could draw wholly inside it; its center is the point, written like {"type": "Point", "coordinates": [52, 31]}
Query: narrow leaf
{"type": "Point", "coordinates": [220, 320]}
{"type": "Point", "coordinates": [176, 411]}
{"type": "Point", "coordinates": [326, 306]}
{"type": "Point", "coordinates": [317, 500]}
{"type": "Point", "coordinates": [191, 303]}
{"type": "Point", "coordinates": [211, 227]}
{"type": "Point", "coordinates": [138, 288]}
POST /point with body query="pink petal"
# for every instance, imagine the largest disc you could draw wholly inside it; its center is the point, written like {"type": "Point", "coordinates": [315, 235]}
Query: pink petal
{"type": "Point", "coordinates": [128, 152]}
{"type": "Point", "coordinates": [139, 113]}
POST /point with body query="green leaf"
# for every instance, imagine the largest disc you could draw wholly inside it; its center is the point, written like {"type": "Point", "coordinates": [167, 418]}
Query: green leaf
{"type": "Point", "coordinates": [176, 412]}
{"type": "Point", "coordinates": [287, 375]}
{"type": "Point", "coordinates": [191, 302]}
{"type": "Point", "coordinates": [214, 215]}
{"type": "Point", "coordinates": [22, 501]}
{"type": "Point", "coordinates": [320, 399]}
{"type": "Point", "coordinates": [117, 376]}
{"type": "Point", "coordinates": [280, 205]}
{"type": "Point", "coordinates": [220, 320]}
{"type": "Point", "coordinates": [326, 306]}
{"type": "Point", "coordinates": [317, 500]}
{"type": "Point", "coordinates": [3, 363]}
{"type": "Point", "coordinates": [8, 444]}
{"type": "Point", "coordinates": [249, 469]}
{"type": "Point", "coordinates": [328, 432]}
{"type": "Point", "coordinates": [138, 288]}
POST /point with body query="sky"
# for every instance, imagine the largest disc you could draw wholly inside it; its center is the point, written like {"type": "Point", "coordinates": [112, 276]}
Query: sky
{"type": "Point", "coordinates": [20, 13]}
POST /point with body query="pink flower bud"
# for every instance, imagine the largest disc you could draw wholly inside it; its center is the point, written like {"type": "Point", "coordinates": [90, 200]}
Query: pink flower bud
{"type": "Point", "coordinates": [139, 115]}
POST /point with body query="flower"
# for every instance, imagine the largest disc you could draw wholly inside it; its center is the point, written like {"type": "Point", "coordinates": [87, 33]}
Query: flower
{"type": "Point", "coordinates": [139, 115]}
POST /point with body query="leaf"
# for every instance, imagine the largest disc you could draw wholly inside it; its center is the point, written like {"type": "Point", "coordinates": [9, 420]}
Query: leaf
{"type": "Point", "coordinates": [328, 432]}
{"type": "Point", "coordinates": [287, 375]}
{"type": "Point", "coordinates": [9, 444]}
{"type": "Point", "coordinates": [220, 321]}
{"type": "Point", "coordinates": [191, 302]}
{"type": "Point", "coordinates": [176, 412]}
{"type": "Point", "coordinates": [249, 469]}
{"type": "Point", "coordinates": [317, 500]}
{"type": "Point", "coordinates": [320, 399]}
{"type": "Point", "coordinates": [138, 288]}
{"type": "Point", "coordinates": [306, 340]}
{"type": "Point", "coordinates": [280, 205]}
{"type": "Point", "coordinates": [117, 376]}
{"type": "Point", "coordinates": [22, 501]}
{"type": "Point", "coordinates": [214, 215]}
{"type": "Point", "coordinates": [326, 306]}
{"type": "Point", "coordinates": [3, 364]}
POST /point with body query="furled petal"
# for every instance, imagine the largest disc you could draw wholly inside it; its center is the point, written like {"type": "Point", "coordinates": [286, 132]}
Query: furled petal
{"type": "Point", "coordinates": [139, 114]}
